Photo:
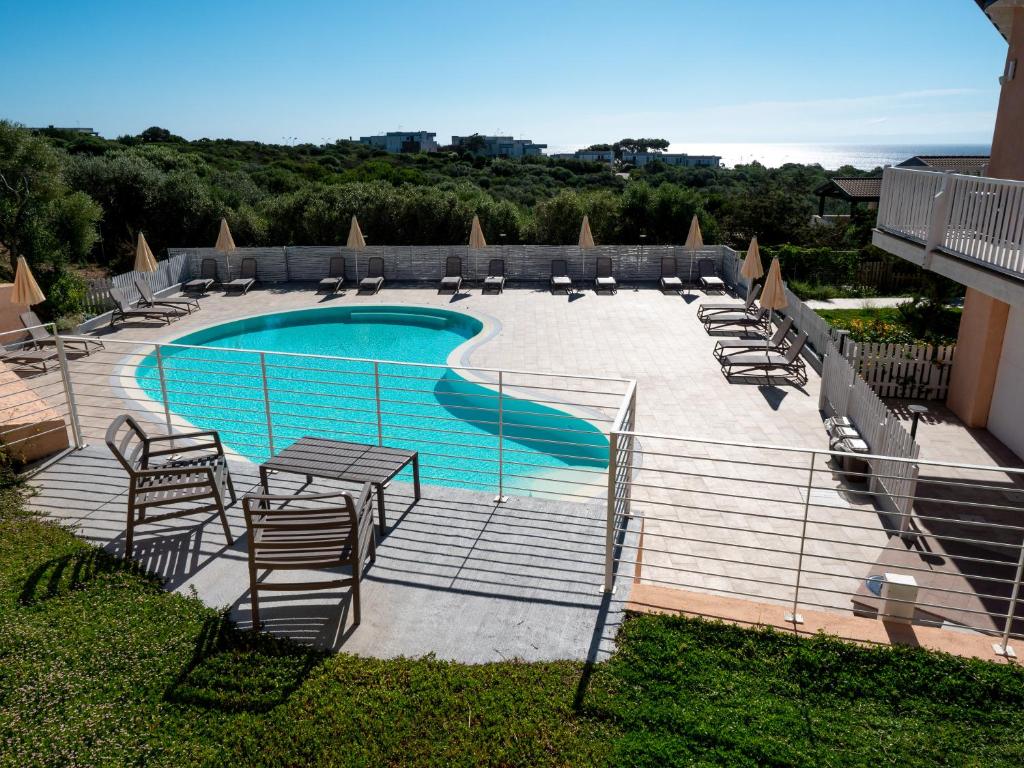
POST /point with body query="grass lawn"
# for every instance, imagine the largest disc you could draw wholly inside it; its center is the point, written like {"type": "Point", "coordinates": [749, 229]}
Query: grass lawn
{"type": "Point", "coordinates": [897, 325]}
{"type": "Point", "coordinates": [99, 666]}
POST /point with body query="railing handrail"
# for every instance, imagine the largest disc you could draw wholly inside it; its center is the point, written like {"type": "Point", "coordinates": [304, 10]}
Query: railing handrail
{"type": "Point", "coordinates": [893, 170]}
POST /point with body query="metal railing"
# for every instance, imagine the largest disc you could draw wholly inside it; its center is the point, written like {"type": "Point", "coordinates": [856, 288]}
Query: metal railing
{"type": "Point", "coordinates": [803, 529]}
{"type": "Point", "coordinates": [972, 217]}
{"type": "Point", "coordinates": [502, 431]}
{"type": "Point", "coordinates": [37, 403]}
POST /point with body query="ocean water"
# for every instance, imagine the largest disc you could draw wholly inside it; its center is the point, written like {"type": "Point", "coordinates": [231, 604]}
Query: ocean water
{"type": "Point", "coordinates": [216, 383]}
{"type": "Point", "coordinates": [829, 156]}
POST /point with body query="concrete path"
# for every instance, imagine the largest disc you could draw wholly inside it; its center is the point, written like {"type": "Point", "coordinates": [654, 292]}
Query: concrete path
{"type": "Point", "coordinates": [877, 303]}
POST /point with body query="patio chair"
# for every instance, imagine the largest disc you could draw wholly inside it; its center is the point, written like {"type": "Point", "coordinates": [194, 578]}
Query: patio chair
{"type": "Point", "coordinates": [495, 279]}
{"type": "Point", "coordinates": [790, 363]}
{"type": "Point", "coordinates": [208, 276]}
{"type": "Point", "coordinates": [757, 321]}
{"type": "Point", "coordinates": [709, 279]}
{"type": "Point", "coordinates": [748, 305]}
{"type": "Point", "coordinates": [149, 300]}
{"type": "Point", "coordinates": [309, 532]}
{"type": "Point", "coordinates": [246, 278]}
{"type": "Point", "coordinates": [27, 359]}
{"type": "Point", "coordinates": [452, 280]}
{"type": "Point", "coordinates": [777, 343]}
{"type": "Point", "coordinates": [374, 279]}
{"type": "Point", "coordinates": [41, 337]}
{"type": "Point", "coordinates": [123, 310]}
{"type": "Point", "coordinates": [186, 471]}
{"type": "Point", "coordinates": [335, 275]}
{"type": "Point", "coordinates": [603, 279]}
{"type": "Point", "coordinates": [670, 280]}
{"type": "Point", "coordinates": [560, 280]}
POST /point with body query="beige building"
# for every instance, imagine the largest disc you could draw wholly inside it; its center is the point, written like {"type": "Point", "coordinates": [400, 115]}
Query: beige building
{"type": "Point", "coordinates": [970, 228]}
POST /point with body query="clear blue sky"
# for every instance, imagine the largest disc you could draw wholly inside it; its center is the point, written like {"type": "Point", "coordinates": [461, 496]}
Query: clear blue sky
{"type": "Point", "coordinates": [568, 73]}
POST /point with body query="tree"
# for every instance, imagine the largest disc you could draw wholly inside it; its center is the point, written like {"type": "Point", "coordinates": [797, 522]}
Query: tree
{"type": "Point", "coordinates": [639, 145]}
{"type": "Point", "coordinates": [40, 217]}
{"type": "Point", "coordinates": [474, 144]}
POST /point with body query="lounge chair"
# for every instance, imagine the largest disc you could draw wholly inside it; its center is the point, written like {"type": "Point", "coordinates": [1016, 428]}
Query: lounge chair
{"type": "Point", "coordinates": [41, 337]}
{"type": "Point", "coordinates": [335, 275]}
{"type": "Point", "coordinates": [309, 532]}
{"type": "Point", "coordinates": [245, 280]}
{"type": "Point", "coordinates": [374, 279]}
{"type": "Point", "coordinates": [709, 279]}
{"type": "Point", "coordinates": [757, 320]}
{"type": "Point", "coordinates": [149, 300]}
{"type": "Point", "coordinates": [24, 358]}
{"type": "Point", "coordinates": [452, 280]}
{"type": "Point", "coordinates": [777, 343]}
{"type": "Point", "coordinates": [748, 306]}
{"type": "Point", "coordinates": [790, 363]}
{"type": "Point", "coordinates": [123, 310]}
{"type": "Point", "coordinates": [187, 471]}
{"type": "Point", "coordinates": [603, 280]}
{"type": "Point", "coordinates": [208, 276]}
{"type": "Point", "coordinates": [560, 280]}
{"type": "Point", "coordinates": [495, 279]}
{"type": "Point", "coordinates": [670, 280]}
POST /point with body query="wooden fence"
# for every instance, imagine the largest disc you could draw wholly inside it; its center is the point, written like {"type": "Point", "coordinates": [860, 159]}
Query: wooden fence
{"type": "Point", "coordinates": [170, 272]}
{"type": "Point", "coordinates": [914, 371]}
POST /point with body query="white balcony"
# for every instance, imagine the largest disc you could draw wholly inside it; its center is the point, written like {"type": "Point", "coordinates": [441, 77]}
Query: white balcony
{"type": "Point", "coordinates": [969, 228]}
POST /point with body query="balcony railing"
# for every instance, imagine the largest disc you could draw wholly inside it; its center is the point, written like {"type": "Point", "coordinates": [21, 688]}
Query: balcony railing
{"type": "Point", "coordinates": [974, 218]}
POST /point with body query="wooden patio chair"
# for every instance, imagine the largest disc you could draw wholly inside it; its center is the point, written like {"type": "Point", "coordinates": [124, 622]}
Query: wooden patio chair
{"type": "Point", "coordinates": [309, 532]}
{"type": "Point", "coordinates": [187, 471]}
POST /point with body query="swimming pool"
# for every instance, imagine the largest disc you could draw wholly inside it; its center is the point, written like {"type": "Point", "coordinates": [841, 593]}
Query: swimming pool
{"type": "Point", "coordinates": [216, 381]}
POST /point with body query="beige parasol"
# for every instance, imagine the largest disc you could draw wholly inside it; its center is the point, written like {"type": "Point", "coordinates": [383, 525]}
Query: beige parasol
{"type": "Point", "coordinates": [694, 242]}
{"type": "Point", "coordinates": [26, 289]}
{"type": "Point", "coordinates": [355, 235]}
{"type": "Point", "coordinates": [225, 242]}
{"type": "Point", "coordinates": [773, 295]}
{"type": "Point", "coordinates": [586, 241]}
{"type": "Point", "coordinates": [476, 234]}
{"type": "Point", "coordinates": [144, 260]}
{"type": "Point", "coordinates": [752, 268]}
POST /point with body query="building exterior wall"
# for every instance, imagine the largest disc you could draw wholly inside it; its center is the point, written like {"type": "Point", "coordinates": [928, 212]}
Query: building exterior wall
{"type": "Point", "coordinates": [640, 159]}
{"type": "Point", "coordinates": [504, 146]}
{"type": "Point", "coordinates": [9, 313]}
{"type": "Point", "coordinates": [399, 141]}
{"type": "Point", "coordinates": [1006, 417]}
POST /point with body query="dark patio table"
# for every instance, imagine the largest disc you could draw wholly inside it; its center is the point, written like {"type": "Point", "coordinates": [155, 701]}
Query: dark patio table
{"type": "Point", "coordinates": [351, 462]}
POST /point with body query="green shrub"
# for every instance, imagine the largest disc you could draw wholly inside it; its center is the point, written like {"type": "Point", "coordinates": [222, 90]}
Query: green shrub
{"type": "Point", "coordinates": [813, 291]}
{"type": "Point", "coordinates": [66, 295]}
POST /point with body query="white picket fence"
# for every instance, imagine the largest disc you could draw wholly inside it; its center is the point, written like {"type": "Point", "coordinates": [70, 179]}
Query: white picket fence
{"type": "Point", "coordinates": [914, 371]}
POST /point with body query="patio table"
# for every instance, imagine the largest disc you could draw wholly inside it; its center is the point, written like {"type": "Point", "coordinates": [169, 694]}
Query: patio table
{"type": "Point", "coordinates": [351, 462]}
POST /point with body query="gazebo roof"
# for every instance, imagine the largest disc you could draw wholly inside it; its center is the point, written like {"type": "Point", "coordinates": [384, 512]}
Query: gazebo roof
{"type": "Point", "coordinates": [855, 189]}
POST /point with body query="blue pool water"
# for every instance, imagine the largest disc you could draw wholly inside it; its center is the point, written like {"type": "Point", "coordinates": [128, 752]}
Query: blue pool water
{"type": "Point", "coordinates": [451, 421]}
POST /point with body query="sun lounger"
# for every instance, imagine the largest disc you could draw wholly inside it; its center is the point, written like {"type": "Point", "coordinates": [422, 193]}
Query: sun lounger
{"type": "Point", "coordinates": [149, 300]}
{"type": "Point", "coordinates": [560, 280]}
{"type": "Point", "coordinates": [452, 280]}
{"type": "Point", "coordinates": [670, 280]}
{"type": "Point", "coordinates": [123, 310]}
{"type": "Point", "coordinates": [29, 359]}
{"type": "Point", "coordinates": [41, 337]}
{"type": "Point", "coordinates": [245, 280]}
{"type": "Point", "coordinates": [707, 309]}
{"type": "Point", "coordinates": [777, 343]}
{"type": "Point", "coordinates": [757, 320]}
{"type": "Point", "coordinates": [374, 279]}
{"type": "Point", "coordinates": [604, 281]}
{"type": "Point", "coordinates": [309, 532]}
{"type": "Point", "coordinates": [790, 363]}
{"type": "Point", "coordinates": [335, 275]}
{"type": "Point", "coordinates": [495, 279]}
{"type": "Point", "coordinates": [208, 276]}
{"type": "Point", "coordinates": [709, 280]}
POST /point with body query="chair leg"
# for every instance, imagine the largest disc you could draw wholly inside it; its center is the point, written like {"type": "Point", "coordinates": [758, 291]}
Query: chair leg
{"type": "Point", "coordinates": [129, 536]}
{"type": "Point", "coordinates": [224, 520]}
{"type": "Point", "coordinates": [255, 598]}
{"type": "Point", "coordinates": [356, 615]}
{"type": "Point", "coordinates": [231, 483]}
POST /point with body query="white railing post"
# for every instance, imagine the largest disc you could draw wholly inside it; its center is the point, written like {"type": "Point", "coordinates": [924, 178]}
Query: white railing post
{"type": "Point", "coordinates": [163, 389]}
{"type": "Point", "coordinates": [609, 533]}
{"type": "Point", "coordinates": [1003, 648]}
{"type": "Point", "coordinates": [376, 397]}
{"type": "Point", "coordinates": [794, 616]}
{"type": "Point", "coordinates": [69, 392]}
{"type": "Point", "coordinates": [501, 497]}
{"type": "Point", "coordinates": [938, 220]}
{"type": "Point", "coordinates": [266, 401]}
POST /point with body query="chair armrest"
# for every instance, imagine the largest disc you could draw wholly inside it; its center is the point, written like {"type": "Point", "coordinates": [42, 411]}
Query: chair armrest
{"type": "Point", "coordinates": [181, 435]}
{"type": "Point", "coordinates": [296, 497]}
{"type": "Point", "coordinates": [176, 472]}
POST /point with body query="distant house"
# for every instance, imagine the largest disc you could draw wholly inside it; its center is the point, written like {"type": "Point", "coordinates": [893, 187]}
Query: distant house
{"type": "Point", "coordinates": [852, 189]}
{"type": "Point", "coordinates": [402, 141]}
{"type": "Point", "coordinates": [973, 165]}
{"type": "Point", "coordinates": [589, 155]}
{"type": "Point", "coordinates": [500, 146]}
{"type": "Point", "coordinates": [640, 159]}
{"type": "Point", "coordinates": [83, 131]}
